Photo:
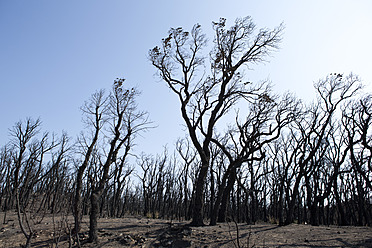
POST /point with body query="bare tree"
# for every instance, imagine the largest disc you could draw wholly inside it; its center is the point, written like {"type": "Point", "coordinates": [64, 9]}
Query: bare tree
{"type": "Point", "coordinates": [22, 134]}
{"type": "Point", "coordinates": [188, 155]}
{"type": "Point", "coordinates": [153, 182]}
{"type": "Point", "coordinates": [94, 111]}
{"type": "Point", "coordinates": [206, 97]}
{"type": "Point", "coordinates": [31, 168]}
{"type": "Point", "coordinates": [325, 169]}
{"type": "Point", "coordinates": [357, 119]}
{"type": "Point", "coordinates": [313, 130]}
{"type": "Point", "coordinates": [246, 142]}
{"type": "Point", "coordinates": [356, 122]}
{"type": "Point", "coordinates": [121, 174]}
{"type": "Point", "coordinates": [125, 122]}
{"type": "Point", "coordinates": [6, 172]}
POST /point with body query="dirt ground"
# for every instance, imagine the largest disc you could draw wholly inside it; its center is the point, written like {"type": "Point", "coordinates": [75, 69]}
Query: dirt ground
{"type": "Point", "coordinates": [142, 232]}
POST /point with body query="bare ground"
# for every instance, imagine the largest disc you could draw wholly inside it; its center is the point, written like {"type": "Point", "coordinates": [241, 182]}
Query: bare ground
{"type": "Point", "coordinates": [142, 232]}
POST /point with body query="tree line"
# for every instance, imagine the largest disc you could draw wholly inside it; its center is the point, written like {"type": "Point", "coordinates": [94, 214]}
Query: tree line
{"type": "Point", "coordinates": [248, 155]}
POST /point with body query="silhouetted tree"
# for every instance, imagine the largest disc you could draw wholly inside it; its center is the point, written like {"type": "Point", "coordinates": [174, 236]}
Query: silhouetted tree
{"type": "Point", "coordinates": [94, 111]}
{"type": "Point", "coordinates": [314, 128]}
{"type": "Point", "coordinates": [206, 97]}
{"type": "Point", "coordinates": [188, 156]}
{"type": "Point", "coordinates": [31, 169]}
{"type": "Point", "coordinates": [245, 143]}
{"type": "Point", "coordinates": [124, 122]}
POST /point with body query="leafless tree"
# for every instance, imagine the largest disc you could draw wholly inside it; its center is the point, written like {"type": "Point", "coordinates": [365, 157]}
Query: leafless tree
{"type": "Point", "coordinates": [94, 111]}
{"type": "Point", "coordinates": [357, 119]}
{"type": "Point", "coordinates": [22, 134]}
{"type": "Point", "coordinates": [153, 182]}
{"type": "Point", "coordinates": [125, 121]}
{"type": "Point", "coordinates": [246, 142]}
{"type": "Point", "coordinates": [206, 97]}
{"type": "Point", "coordinates": [188, 156]}
{"type": "Point", "coordinates": [6, 160]}
{"type": "Point", "coordinates": [31, 168]}
{"type": "Point", "coordinates": [121, 177]}
{"type": "Point", "coordinates": [314, 128]}
{"type": "Point", "coordinates": [326, 167]}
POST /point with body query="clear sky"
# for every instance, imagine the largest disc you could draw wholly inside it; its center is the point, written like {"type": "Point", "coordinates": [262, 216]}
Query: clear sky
{"type": "Point", "coordinates": [55, 54]}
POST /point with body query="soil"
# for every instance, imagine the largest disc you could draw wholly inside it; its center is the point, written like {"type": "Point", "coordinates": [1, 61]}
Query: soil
{"type": "Point", "coordinates": [143, 232]}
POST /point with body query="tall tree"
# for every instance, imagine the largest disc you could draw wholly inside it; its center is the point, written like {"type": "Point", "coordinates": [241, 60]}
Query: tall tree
{"type": "Point", "coordinates": [246, 142]}
{"type": "Point", "coordinates": [124, 121]}
{"type": "Point", "coordinates": [94, 111]}
{"type": "Point", "coordinates": [314, 128]}
{"type": "Point", "coordinates": [357, 119]}
{"type": "Point", "coordinates": [31, 167]}
{"type": "Point", "coordinates": [207, 96]}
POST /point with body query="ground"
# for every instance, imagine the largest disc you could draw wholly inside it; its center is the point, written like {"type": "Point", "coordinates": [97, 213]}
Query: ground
{"type": "Point", "coordinates": [143, 232]}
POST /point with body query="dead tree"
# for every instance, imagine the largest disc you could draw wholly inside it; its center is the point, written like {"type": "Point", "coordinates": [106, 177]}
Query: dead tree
{"type": "Point", "coordinates": [6, 172]}
{"type": "Point", "coordinates": [188, 156]}
{"type": "Point", "coordinates": [326, 167]}
{"type": "Point", "coordinates": [119, 182]}
{"type": "Point", "coordinates": [356, 122]}
{"type": "Point", "coordinates": [147, 164]}
{"type": "Point", "coordinates": [332, 92]}
{"type": "Point", "coordinates": [357, 119]}
{"type": "Point", "coordinates": [29, 169]}
{"type": "Point", "coordinates": [22, 134]}
{"type": "Point", "coordinates": [124, 121]}
{"type": "Point", "coordinates": [245, 143]}
{"type": "Point", "coordinates": [205, 96]}
{"type": "Point", "coordinates": [94, 111]}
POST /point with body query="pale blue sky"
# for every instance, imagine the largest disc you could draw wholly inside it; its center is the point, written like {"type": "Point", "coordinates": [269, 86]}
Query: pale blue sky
{"type": "Point", "coordinates": [55, 54]}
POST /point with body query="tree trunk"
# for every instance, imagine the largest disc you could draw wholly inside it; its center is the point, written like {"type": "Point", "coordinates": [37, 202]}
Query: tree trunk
{"type": "Point", "coordinates": [314, 214]}
{"type": "Point", "coordinates": [217, 203]}
{"type": "Point", "coordinates": [197, 214]}
{"type": "Point", "coordinates": [253, 206]}
{"type": "Point", "coordinates": [292, 203]}
{"type": "Point", "coordinates": [213, 194]}
{"type": "Point", "coordinates": [94, 209]}
{"type": "Point", "coordinates": [291, 208]}
{"type": "Point", "coordinates": [280, 206]}
{"type": "Point", "coordinates": [225, 197]}
{"type": "Point", "coordinates": [78, 201]}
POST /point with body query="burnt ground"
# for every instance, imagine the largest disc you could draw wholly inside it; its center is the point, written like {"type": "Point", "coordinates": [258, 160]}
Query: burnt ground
{"type": "Point", "coordinates": [142, 232]}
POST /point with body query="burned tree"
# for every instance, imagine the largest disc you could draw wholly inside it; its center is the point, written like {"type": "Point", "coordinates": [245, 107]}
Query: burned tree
{"type": "Point", "coordinates": [31, 170]}
{"type": "Point", "coordinates": [188, 156]}
{"type": "Point", "coordinates": [245, 142]}
{"type": "Point", "coordinates": [207, 96]}
{"type": "Point", "coordinates": [124, 122]}
{"type": "Point", "coordinates": [94, 112]}
{"type": "Point", "coordinates": [357, 119]}
{"type": "Point", "coordinates": [310, 132]}
{"type": "Point", "coordinates": [356, 123]}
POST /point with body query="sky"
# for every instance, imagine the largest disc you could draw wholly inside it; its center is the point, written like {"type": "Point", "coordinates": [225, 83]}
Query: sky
{"type": "Point", "coordinates": [55, 54]}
